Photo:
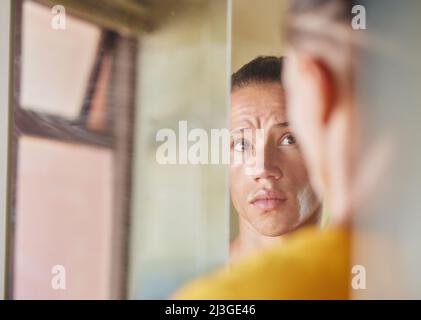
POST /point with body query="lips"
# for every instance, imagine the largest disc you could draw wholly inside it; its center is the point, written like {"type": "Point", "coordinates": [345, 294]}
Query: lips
{"type": "Point", "coordinates": [268, 200]}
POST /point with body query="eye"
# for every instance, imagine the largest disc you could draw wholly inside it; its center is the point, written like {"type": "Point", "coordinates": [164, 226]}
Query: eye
{"type": "Point", "coordinates": [288, 140]}
{"type": "Point", "coordinates": [241, 145]}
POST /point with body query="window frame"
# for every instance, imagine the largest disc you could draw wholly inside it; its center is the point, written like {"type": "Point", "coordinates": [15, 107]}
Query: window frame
{"type": "Point", "coordinates": [6, 22]}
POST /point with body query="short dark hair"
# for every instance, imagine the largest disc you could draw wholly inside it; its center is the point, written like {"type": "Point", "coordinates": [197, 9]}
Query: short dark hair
{"type": "Point", "coordinates": [263, 69]}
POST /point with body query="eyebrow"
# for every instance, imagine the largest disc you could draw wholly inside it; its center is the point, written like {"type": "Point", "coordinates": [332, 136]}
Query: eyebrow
{"type": "Point", "coordinates": [240, 130]}
{"type": "Point", "coordinates": [282, 124]}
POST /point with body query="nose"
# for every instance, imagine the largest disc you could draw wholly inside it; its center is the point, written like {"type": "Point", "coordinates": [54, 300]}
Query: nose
{"type": "Point", "coordinates": [268, 173]}
{"type": "Point", "coordinates": [271, 169]}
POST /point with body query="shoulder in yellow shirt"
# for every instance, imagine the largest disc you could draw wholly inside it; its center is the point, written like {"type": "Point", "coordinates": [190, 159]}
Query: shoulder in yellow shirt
{"type": "Point", "coordinates": [310, 264]}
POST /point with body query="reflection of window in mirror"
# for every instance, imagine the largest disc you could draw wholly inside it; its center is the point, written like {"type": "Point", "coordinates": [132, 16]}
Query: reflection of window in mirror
{"type": "Point", "coordinates": [74, 91]}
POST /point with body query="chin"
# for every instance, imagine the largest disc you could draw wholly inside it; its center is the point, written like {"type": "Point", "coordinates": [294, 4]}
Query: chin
{"type": "Point", "coordinates": [276, 228]}
{"type": "Point", "coordinates": [276, 232]}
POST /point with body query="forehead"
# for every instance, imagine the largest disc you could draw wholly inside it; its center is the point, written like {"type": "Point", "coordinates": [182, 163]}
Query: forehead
{"type": "Point", "coordinates": [258, 102]}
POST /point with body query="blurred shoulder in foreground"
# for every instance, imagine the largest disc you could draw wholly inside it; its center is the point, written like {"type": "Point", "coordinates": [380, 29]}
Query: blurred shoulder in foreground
{"type": "Point", "coordinates": [311, 264]}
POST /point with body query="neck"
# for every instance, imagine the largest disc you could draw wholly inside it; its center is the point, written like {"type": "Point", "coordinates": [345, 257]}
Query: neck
{"type": "Point", "coordinates": [249, 240]}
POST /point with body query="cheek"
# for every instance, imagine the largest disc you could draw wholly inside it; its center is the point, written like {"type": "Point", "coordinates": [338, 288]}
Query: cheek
{"type": "Point", "coordinates": [308, 203]}
{"type": "Point", "coordinates": [296, 170]}
{"type": "Point", "coordinates": [306, 200]}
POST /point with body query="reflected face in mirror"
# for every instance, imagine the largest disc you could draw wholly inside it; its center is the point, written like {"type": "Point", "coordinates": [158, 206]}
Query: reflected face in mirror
{"type": "Point", "coordinates": [279, 198]}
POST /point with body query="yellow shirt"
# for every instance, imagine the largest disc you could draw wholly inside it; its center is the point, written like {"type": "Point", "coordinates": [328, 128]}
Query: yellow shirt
{"type": "Point", "coordinates": [310, 264]}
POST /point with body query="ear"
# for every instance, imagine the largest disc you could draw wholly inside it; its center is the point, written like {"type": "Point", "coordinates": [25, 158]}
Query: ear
{"type": "Point", "coordinates": [321, 80]}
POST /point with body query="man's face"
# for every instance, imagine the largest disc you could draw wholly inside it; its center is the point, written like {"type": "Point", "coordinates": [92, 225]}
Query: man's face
{"type": "Point", "coordinates": [278, 198]}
